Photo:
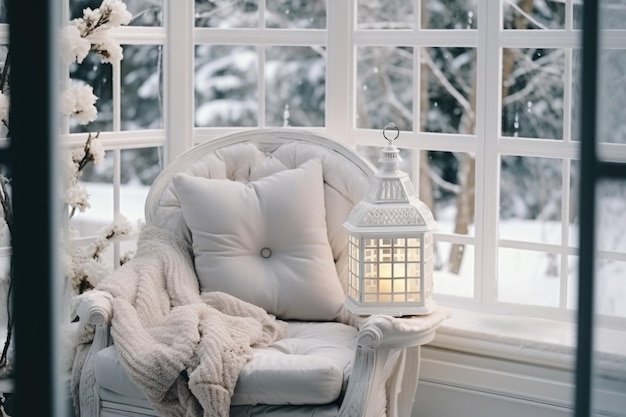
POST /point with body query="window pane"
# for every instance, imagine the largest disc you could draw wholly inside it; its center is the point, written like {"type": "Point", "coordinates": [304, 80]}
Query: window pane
{"type": "Point", "coordinates": [610, 276]}
{"type": "Point", "coordinates": [384, 87]}
{"type": "Point", "coordinates": [226, 86]}
{"type": "Point", "coordinates": [574, 187]}
{"type": "Point", "coordinates": [612, 14]}
{"type": "Point", "coordinates": [610, 286]}
{"type": "Point", "coordinates": [139, 169]}
{"type": "Point", "coordinates": [227, 13]}
{"type": "Point", "coordinates": [295, 14]}
{"type": "Point", "coordinates": [524, 14]}
{"type": "Point", "coordinates": [612, 95]}
{"type": "Point", "coordinates": [532, 93]}
{"type": "Point", "coordinates": [578, 16]}
{"type": "Point", "coordinates": [295, 86]}
{"type": "Point", "coordinates": [447, 186]}
{"type": "Point", "coordinates": [99, 76]}
{"type": "Point", "coordinates": [97, 181]}
{"type": "Point", "coordinates": [448, 90]}
{"type": "Point", "coordinates": [142, 87]}
{"type": "Point", "coordinates": [449, 14]}
{"type": "Point", "coordinates": [528, 277]}
{"type": "Point", "coordinates": [448, 281]}
{"type": "Point", "coordinates": [145, 12]}
{"type": "Point", "coordinates": [530, 199]}
{"type": "Point", "coordinates": [385, 14]}
{"type": "Point", "coordinates": [576, 92]}
{"type": "Point", "coordinates": [611, 216]}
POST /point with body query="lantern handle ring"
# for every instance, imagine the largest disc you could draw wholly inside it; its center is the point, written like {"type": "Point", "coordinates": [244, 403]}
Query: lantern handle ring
{"type": "Point", "coordinates": [390, 126]}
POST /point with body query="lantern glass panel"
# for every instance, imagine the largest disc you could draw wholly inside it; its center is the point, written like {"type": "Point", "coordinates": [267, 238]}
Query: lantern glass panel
{"type": "Point", "coordinates": [371, 286]}
{"type": "Point", "coordinates": [384, 270]}
{"type": "Point", "coordinates": [384, 286]}
{"type": "Point", "coordinates": [371, 270]}
{"type": "Point", "coordinates": [399, 254]}
{"type": "Point", "coordinates": [371, 243]}
{"type": "Point", "coordinates": [384, 298]}
{"type": "Point", "coordinates": [354, 249]}
{"type": "Point", "coordinates": [413, 284]}
{"type": "Point", "coordinates": [414, 298]}
{"type": "Point", "coordinates": [399, 286]}
{"type": "Point", "coordinates": [413, 254]}
{"type": "Point", "coordinates": [413, 243]}
{"type": "Point", "coordinates": [399, 270]}
{"type": "Point", "coordinates": [413, 270]}
{"type": "Point", "coordinates": [371, 298]}
{"type": "Point", "coordinates": [399, 298]}
{"type": "Point", "coordinates": [354, 266]}
{"type": "Point", "coordinates": [385, 243]}
{"type": "Point", "coordinates": [384, 255]}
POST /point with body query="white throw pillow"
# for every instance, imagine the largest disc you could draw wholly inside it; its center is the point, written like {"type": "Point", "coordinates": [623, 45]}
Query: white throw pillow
{"type": "Point", "coordinates": [265, 242]}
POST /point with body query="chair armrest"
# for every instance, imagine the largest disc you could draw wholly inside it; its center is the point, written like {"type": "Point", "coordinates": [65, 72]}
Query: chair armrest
{"type": "Point", "coordinates": [386, 364]}
{"type": "Point", "coordinates": [95, 307]}
{"type": "Point", "coordinates": [400, 332]}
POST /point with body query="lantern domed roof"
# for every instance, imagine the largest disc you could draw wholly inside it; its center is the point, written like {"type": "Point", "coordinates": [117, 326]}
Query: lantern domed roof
{"type": "Point", "coordinates": [392, 201]}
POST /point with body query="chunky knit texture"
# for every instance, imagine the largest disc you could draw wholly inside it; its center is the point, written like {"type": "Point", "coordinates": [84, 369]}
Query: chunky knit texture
{"type": "Point", "coordinates": [182, 348]}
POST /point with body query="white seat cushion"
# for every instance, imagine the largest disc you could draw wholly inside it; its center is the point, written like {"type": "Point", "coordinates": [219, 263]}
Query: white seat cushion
{"type": "Point", "coordinates": [310, 365]}
{"type": "Point", "coordinates": [265, 242]}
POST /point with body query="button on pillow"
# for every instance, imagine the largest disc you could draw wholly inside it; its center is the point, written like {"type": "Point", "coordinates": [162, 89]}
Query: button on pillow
{"type": "Point", "coordinates": [265, 242]}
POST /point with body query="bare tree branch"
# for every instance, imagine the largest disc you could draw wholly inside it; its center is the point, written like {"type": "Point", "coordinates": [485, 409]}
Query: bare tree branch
{"type": "Point", "coordinates": [445, 83]}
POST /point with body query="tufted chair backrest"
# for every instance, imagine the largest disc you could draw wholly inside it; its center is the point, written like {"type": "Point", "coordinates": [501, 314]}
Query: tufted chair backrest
{"type": "Point", "coordinates": [250, 155]}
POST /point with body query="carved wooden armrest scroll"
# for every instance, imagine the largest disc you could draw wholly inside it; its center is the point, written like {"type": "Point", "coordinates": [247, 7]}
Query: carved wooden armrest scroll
{"type": "Point", "coordinates": [385, 347]}
{"type": "Point", "coordinates": [95, 307]}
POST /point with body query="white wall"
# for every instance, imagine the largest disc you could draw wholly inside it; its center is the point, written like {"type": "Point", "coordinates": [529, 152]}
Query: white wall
{"type": "Point", "coordinates": [457, 384]}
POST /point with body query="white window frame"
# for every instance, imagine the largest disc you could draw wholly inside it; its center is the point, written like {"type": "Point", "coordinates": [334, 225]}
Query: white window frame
{"type": "Point", "coordinates": [179, 37]}
{"type": "Point", "coordinates": [489, 38]}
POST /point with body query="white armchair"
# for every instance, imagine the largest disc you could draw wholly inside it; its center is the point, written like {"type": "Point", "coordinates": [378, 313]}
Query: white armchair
{"type": "Point", "coordinates": [261, 212]}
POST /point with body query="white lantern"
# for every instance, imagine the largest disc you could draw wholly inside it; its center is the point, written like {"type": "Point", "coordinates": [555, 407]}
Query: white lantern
{"type": "Point", "coordinates": [390, 247]}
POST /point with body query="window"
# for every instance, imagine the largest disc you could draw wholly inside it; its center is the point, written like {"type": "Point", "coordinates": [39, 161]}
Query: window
{"type": "Point", "coordinates": [487, 101]}
{"type": "Point", "coordinates": [486, 98]}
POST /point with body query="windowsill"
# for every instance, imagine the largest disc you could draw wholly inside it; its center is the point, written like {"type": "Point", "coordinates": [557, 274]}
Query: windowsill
{"type": "Point", "coordinates": [534, 341]}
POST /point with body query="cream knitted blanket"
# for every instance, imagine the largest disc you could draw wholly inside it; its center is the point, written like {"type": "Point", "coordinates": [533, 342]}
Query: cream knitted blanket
{"type": "Point", "coordinates": [182, 348]}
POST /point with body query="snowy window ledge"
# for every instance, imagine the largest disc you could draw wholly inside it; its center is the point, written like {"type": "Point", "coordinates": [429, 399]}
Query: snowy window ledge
{"type": "Point", "coordinates": [534, 341]}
